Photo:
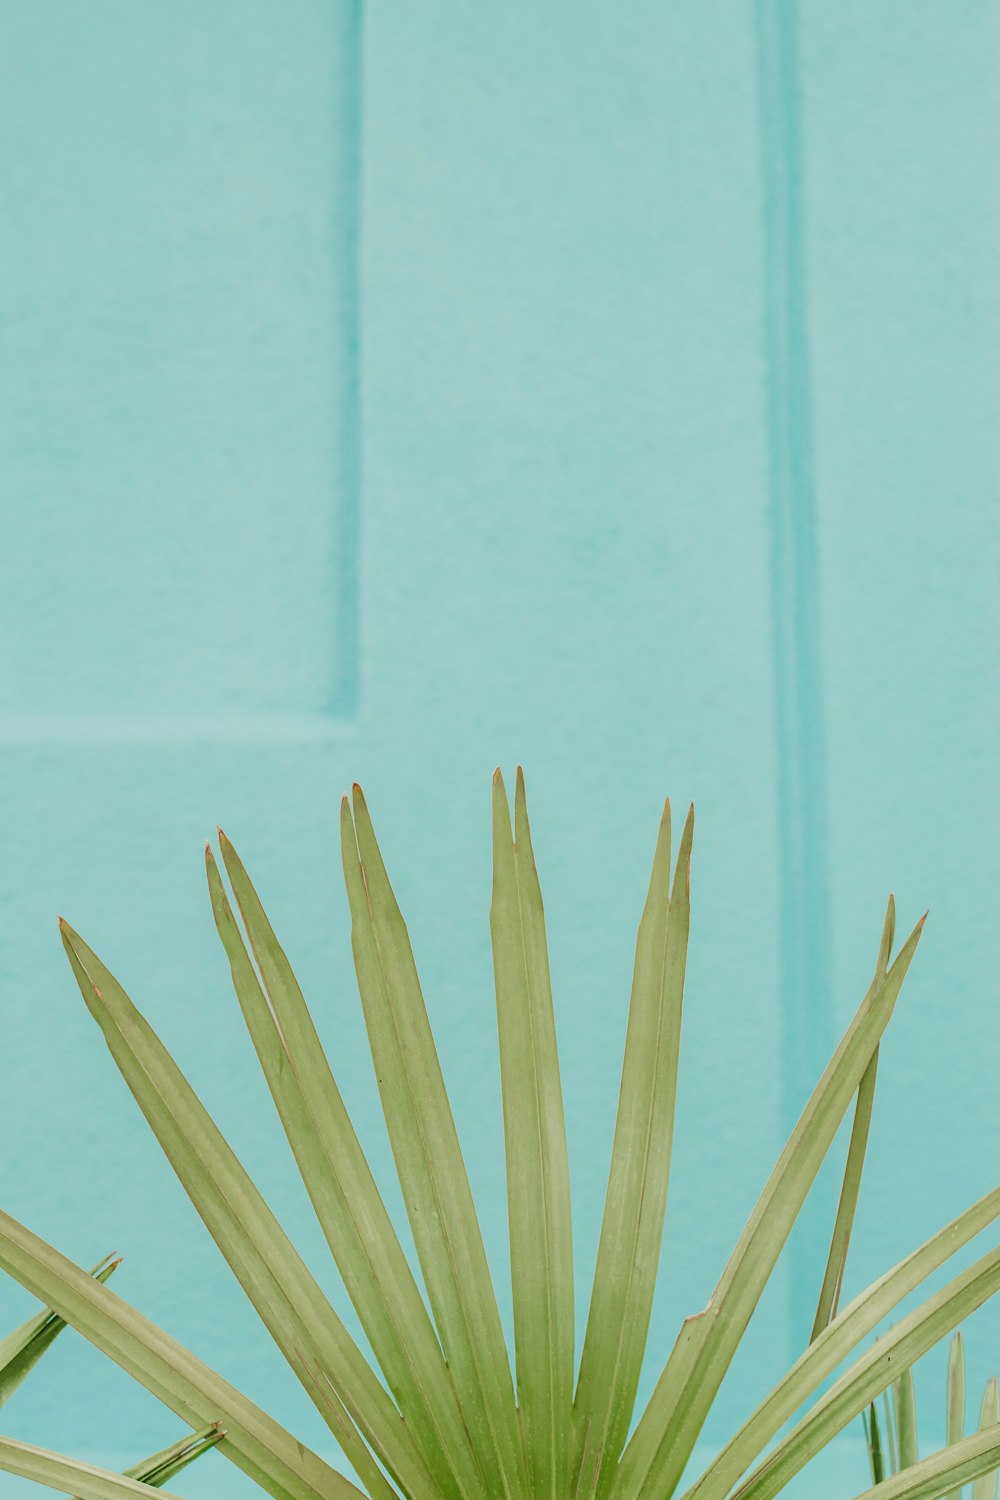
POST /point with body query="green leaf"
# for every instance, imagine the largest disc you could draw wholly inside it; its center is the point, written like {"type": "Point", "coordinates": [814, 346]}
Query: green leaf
{"type": "Point", "coordinates": [666, 1434]}
{"type": "Point", "coordinates": [339, 1181]}
{"type": "Point", "coordinates": [161, 1467]}
{"type": "Point", "coordinates": [891, 1355]}
{"type": "Point", "coordinates": [985, 1488]}
{"type": "Point", "coordinates": [60, 1473]}
{"type": "Point", "coordinates": [541, 1245]}
{"type": "Point", "coordinates": [632, 1228]}
{"type": "Point", "coordinates": [277, 1461]}
{"type": "Point", "coordinates": [21, 1350]}
{"type": "Point", "coordinates": [838, 1340]}
{"type": "Point", "coordinates": [190, 1388]}
{"type": "Point", "coordinates": [874, 1439]}
{"type": "Point", "coordinates": [905, 1404]}
{"type": "Point", "coordinates": [955, 1405]}
{"type": "Point", "coordinates": [833, 1277]}
{"type": "Point", "coordinates": [890, 1428]}
{"type": "Point", "coordinates": [291, 1305]}
{"type": "Point", "coordinates": [429, 1159]}
{"type": "Point", "coordinates": [955, 1465]}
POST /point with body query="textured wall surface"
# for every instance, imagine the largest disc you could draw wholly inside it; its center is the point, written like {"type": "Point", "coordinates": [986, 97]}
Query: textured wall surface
{"type": "Point", "coordinates": [607, 388]}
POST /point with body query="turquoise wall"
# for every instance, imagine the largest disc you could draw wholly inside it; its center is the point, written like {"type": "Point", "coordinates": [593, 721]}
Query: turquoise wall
{"type": "Point", "coordinates": [607, 388]}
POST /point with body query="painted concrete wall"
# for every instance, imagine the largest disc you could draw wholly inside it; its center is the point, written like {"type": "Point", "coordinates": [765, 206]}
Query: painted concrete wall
{"type": "Point", "coordinates": [611, 389]}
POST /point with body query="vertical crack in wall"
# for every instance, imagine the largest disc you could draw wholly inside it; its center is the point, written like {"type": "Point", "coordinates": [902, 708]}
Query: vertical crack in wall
{"type": "Point", "coordinates": [798, 695]}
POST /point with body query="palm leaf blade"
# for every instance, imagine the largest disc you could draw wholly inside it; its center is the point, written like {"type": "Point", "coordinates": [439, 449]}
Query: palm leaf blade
{"type": "Point", "coordinates": [291, 1305]}
{"type": "Point", "coordinates": [985, 1488]}
{"type": "Point", "coordinates": [429, 1158]}
{"type": "Point", "coordinates": [904, 1401]}
{"type": "Point", "coordinates": [60, 1473]}
{"type": "Point", "coordinates": [339, 1181]}
{"type": "Point", "coordinates": [873, 1437]}
{"type": "Point", "coordinates": [667, 1431]}
{"type": "Point", "coordinates": [21, 1349]}
{"type": "Point", "coordinates": [262, 1448]}
{"type": "Point", "coordinates": [541, 1249]}
{"type": "Point", "coordinates": [954, 1465]}
{"type": "Point", "coordinates": [161, 1467]}
{"type": "Point", "coordinates": [632, 1227]}
{"type": "Point", "coordinates": [834, 1344]}
{"type": "Point", "coordinates": [955, 1402]}
{"type": "Point", "coordinates": [854, 1166]}
{"type": "Point", "coordinates": [891, 1355]}
{"type": "Point", "coordinates": [889, 1411]}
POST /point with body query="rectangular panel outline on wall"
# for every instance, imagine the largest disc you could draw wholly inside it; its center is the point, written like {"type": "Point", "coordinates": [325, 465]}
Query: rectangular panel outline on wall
{"type": "Point", "coordinates": [337, 702]}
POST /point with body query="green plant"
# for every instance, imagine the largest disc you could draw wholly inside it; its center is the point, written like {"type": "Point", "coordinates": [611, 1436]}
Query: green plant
{"type": "Point", "coordinates": [450, 1420]}
{"type": "Point", "coordinates": [892, 1440]}
{"type": "Point", "coordinates": [20, 1351]}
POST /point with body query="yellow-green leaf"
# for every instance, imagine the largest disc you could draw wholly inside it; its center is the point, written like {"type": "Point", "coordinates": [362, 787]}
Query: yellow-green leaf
{"type": "Point", "coordinates": [538, 1204]}
{"type": "Point", "coordinates": [662, 1443]}
{"type": "Point", "coordinates": [955, 1465]}
{"type": "Point", "coordinates": [632, 1228]}
{"type": "Point", "coordinates": [340, 1184]}
{"type": "Point", "coordinates": [429, 1159]}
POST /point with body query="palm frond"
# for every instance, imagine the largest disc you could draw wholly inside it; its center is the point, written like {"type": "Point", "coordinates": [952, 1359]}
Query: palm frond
{"type": "Point", "coordinates": [972, 1458]}
{"type": "Point", "coordinates": [833, 1276]}
{"type": "Point", "coordinates": [429, 1159]}
{"type": "Point", "coordinates": [985, 1487]}
{"type": "Point", "coordinates": [21, 1349]}
{"type": "Point", "coordinates": [59, 1473]}
{"type": "Point", "coordinates": [541, 1244]}
{"type": "Point", "coordinates": [632, 1229]}
{"type": "Point", "coordinates": [261, 1447]}
{"type": "Point", "coordinates": [664, 1439]}
{"type": "Point", "coordinates": [452, 1422]}
{"type": "Point", "coordinates": [336, 1174]}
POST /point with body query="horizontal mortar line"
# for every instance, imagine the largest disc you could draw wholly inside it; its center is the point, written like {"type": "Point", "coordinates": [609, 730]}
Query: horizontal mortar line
{"type": "Point", "coordinates": [172, 729]}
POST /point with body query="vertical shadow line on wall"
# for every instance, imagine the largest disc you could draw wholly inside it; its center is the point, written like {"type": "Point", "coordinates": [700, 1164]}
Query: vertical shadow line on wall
{"type": "Point", "coordinates": [345, 688]}
{"type": "Point", "coordinates": [798, 702]}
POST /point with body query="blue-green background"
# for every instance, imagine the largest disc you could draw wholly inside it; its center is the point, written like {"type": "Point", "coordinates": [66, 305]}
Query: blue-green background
{"type": "Point", "coordinates": [392, 395]}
